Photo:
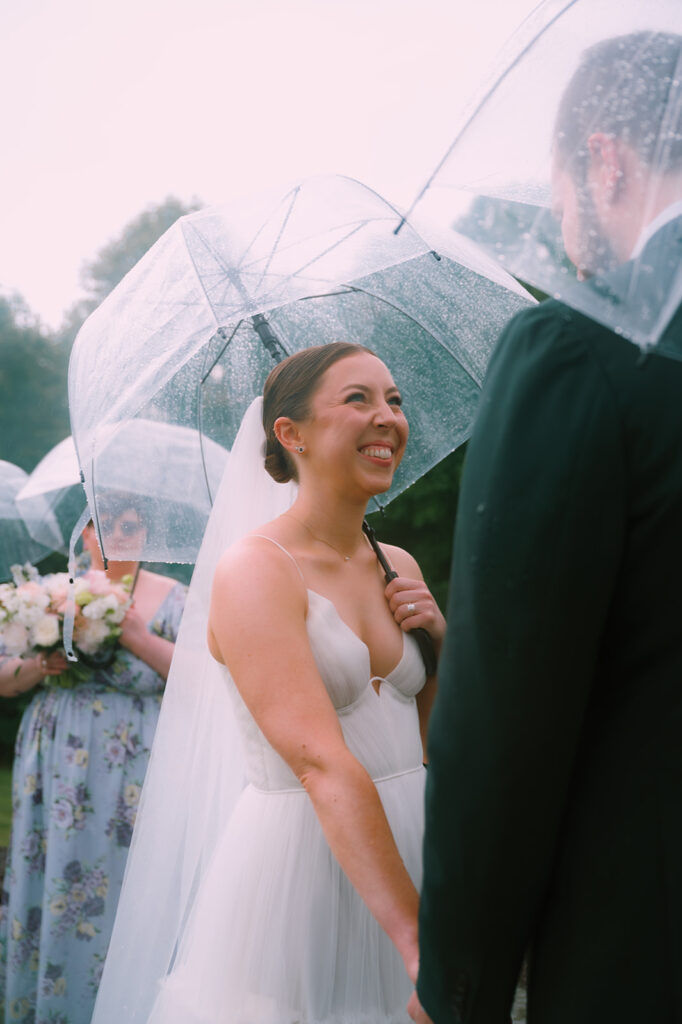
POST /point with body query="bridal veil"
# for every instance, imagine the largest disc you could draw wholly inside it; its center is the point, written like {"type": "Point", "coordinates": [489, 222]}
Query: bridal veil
{"type": "Point", "coordinates": [195, 774]}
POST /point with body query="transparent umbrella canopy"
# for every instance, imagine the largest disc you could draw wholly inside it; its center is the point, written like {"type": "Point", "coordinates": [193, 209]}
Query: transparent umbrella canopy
{"type": "Point", "coordinates": [567, 166]}
{"type": "Point", "coordinates": [16, 544]}
{"type": "Point", "coordinates": [52, 497]}
{"type": "Point", "coordinates": [191, 333]}
{"type": "Point", "coordinates": [180, 471]}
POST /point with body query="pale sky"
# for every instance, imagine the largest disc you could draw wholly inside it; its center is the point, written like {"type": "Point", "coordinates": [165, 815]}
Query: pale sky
{"type": "Point", "coordinates": [110, 107]}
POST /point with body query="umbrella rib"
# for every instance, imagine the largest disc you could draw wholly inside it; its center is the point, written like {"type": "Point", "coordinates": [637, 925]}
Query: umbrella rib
{"type": "Point", "coordinates": [293, 193]}
{"type": "Point", "coordinates": [196, 272]}
{"type": "Point", "coordinates": [325, 252]}
{"type": "Point", "coordinates": [222, 332]}
{"type": "Point", "coordinates": [283, 278]}
{"type": "Point", "coordinates": [282, 229]}
{"type": "Point", "coordinates": [484, 99]}
{"type": "Point", "coordinates": [263, 299]}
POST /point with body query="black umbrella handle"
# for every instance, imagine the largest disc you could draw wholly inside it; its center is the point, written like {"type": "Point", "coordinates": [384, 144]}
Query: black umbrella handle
{"type": "Point", "coordinates": [422, 636]}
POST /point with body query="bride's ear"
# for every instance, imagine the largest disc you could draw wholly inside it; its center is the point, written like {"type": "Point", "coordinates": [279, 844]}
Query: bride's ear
{"type": "Point", "coordinates": [288, 434]}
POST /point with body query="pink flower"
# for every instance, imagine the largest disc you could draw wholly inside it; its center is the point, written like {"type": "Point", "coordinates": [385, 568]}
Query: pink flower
{"type": "Point", "coordinates": [97, 581]}
{"type": "Point", "coordinates": [32, 591]}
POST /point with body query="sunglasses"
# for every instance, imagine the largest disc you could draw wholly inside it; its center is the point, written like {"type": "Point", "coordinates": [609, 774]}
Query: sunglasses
{"type": "Point", "coordinates": [126, 527]}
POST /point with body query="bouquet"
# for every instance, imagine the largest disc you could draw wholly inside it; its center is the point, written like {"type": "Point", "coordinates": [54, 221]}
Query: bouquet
{"type": "Point", "coordinates": [32, 617]}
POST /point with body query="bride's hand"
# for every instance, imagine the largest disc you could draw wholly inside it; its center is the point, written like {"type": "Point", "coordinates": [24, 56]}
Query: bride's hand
{"type": "Point", "coordinates": [413, 605]}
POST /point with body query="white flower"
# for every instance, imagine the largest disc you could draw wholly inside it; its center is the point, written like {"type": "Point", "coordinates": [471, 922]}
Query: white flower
{"type": "Point", "coordinates": [101, 607]}
{"type": "Point", "coordinates": [28, 614]}
{"type": "Point", "coordinates": [118, 614]}
{"type": "Point", "coordinates": [62, 812]}
{"type": "Point", "coordinates": [115, 752]}
{"type": "Point", "coordinates": [91, 636]}
{"type": "Point", "coordinates": [22, 573]}
{"type": "Point", "coordinates": [57, 583]}
{"type": "Point", "coordinates": [81, 586]}
{"type": "Point", "coordinates": [46, 631]}
{"type": "Point", "coordinates": [8, 599]}
{"type": "Point", "coordinates": [14, 639]}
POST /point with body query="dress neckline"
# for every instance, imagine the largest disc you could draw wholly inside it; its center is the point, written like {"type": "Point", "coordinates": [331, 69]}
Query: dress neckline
{"type": "Point", "coordinates": [343, 622]}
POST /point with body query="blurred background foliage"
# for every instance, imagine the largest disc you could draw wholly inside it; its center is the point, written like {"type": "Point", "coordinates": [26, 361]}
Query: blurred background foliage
{"type": "Point", "coordinates": [34, 417]}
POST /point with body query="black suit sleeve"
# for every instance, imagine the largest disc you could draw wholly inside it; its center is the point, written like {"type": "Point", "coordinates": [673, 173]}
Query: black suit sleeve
{"type": "Point", "coordinates": [538, 541]}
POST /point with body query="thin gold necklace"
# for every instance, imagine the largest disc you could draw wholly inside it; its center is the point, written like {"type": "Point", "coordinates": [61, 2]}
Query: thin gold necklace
{"type": "Point", "coordinates": [346, 558]}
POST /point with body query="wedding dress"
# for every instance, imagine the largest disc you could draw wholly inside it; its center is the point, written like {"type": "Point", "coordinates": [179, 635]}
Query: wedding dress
{"type": "Point", "coordinates": [267, 929]}
{"type": "Point", "coordinates": [278, 934]}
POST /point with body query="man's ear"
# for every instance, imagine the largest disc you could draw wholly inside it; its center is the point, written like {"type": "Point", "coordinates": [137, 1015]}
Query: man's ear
{"type": "Point", "coordinates": [287, 433]}
{"type": "Point", "coordinates": [606, 164]}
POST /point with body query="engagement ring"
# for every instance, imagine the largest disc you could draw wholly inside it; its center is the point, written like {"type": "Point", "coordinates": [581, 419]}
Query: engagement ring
{"type": "Point", "coordinates": [411, 608]}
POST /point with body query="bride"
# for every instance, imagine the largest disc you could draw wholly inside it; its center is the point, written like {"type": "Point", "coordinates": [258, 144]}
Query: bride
{"type": "Point", "coordinates": [274, 872]}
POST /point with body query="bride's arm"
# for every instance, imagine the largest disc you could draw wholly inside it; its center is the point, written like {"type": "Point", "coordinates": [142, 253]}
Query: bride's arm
{"type": "Point", "coordinates": [257, 622]}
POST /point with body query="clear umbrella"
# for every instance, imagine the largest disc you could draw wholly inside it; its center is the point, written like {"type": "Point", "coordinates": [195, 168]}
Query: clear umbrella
{"type": "Point", "coordinates": [52, 497]}
{"type": "Point", "coordinates": [16, 544]}
{"type": "Point", "coordinates": [180, 471]}
{"type": "Point", "coordinates": [191, 333]}
{"type": "Point", "coordinates": [582, 118]}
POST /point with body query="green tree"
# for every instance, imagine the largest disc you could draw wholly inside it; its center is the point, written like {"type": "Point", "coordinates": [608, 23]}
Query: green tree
{"type": "Point", "coordinates": [101, 274]}
{"type": "Point", "coordinates": [34, 413]}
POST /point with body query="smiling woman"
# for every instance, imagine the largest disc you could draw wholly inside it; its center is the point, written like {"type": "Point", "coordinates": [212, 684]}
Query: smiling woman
{"type": "Point", "coordinates": [304, 901]}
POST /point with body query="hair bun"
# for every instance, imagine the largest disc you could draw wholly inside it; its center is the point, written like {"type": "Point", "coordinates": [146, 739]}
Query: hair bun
{"type": "Point", "coordinates": [276, 462]}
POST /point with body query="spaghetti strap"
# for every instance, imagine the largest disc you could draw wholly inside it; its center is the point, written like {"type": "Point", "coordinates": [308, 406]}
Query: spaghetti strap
{"type": "Point", "coordinates": [282, 548]}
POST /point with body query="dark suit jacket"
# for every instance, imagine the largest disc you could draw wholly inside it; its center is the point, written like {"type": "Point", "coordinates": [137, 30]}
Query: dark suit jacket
{"type": "Point", "coordinates": [554, 791]}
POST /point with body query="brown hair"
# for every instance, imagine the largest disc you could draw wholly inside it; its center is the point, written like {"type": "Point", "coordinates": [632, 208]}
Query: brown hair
{"type": "Point", "coordinates": [288, 391]}
{"type": "Point", "coordinates": [627, 87]}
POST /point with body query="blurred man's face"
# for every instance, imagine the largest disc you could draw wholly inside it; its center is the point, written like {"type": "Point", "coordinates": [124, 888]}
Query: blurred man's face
{"type": "Point", "coordinates": [586, 243]}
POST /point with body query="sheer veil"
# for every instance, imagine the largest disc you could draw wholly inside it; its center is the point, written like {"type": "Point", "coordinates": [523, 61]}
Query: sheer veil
{"type": "Point", "coordinates": [195, 772]}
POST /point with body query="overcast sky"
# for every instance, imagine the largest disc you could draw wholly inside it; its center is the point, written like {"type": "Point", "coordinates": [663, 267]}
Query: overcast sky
{"type": "Point", "coordinates": [109, 107]}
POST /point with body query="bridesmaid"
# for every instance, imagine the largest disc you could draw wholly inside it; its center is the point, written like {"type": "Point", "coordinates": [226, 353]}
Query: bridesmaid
{"type": "Point", "coordinates": [80, 760]}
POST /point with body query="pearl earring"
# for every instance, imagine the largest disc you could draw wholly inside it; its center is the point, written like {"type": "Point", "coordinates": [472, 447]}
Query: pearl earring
{"type": "Point", "coordinates": [300, 449]}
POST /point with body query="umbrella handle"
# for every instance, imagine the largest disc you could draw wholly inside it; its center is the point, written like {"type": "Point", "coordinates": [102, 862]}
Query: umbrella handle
{"type": "Point", "coordinates": [421, 635]}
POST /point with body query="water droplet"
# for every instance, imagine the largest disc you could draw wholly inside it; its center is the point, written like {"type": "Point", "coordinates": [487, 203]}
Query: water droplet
{"type": "Point", "coordinates": [480, 508]}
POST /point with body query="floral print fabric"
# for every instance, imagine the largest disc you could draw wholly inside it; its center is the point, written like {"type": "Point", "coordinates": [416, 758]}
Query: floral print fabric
{"type": "Point", "coordinates": [80, 761]}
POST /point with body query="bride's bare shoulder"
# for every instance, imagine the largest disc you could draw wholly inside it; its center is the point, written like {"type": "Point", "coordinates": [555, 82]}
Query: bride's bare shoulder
{"type": "Point", "coordinates": [260, 557]}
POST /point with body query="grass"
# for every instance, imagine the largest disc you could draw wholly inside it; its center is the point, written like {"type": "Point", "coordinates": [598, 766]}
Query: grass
{"type": "Point", "coordinates": [5, 804]}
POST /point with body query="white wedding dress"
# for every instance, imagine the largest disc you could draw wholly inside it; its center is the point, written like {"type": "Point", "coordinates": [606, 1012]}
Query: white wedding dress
{"type": "Point", "coordinates": [278, 935]}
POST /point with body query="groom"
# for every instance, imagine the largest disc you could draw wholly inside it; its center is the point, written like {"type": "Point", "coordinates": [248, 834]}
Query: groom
{"type": "Point", "coordinates": [554, 791]}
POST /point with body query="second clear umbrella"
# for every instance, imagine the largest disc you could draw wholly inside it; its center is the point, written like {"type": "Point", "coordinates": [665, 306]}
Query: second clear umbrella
{"type": "Point", "coordinates": [16, 543]}
{"type": "Point", "coordinates": [180, 471]}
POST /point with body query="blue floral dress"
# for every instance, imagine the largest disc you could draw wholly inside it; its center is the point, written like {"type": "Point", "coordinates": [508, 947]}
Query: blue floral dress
{"type": "Point", "coordinates": [80, 761]}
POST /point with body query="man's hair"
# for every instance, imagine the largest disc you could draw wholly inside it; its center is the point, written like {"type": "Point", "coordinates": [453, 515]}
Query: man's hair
{"type": "Point", "coordinates": [628, 87]}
